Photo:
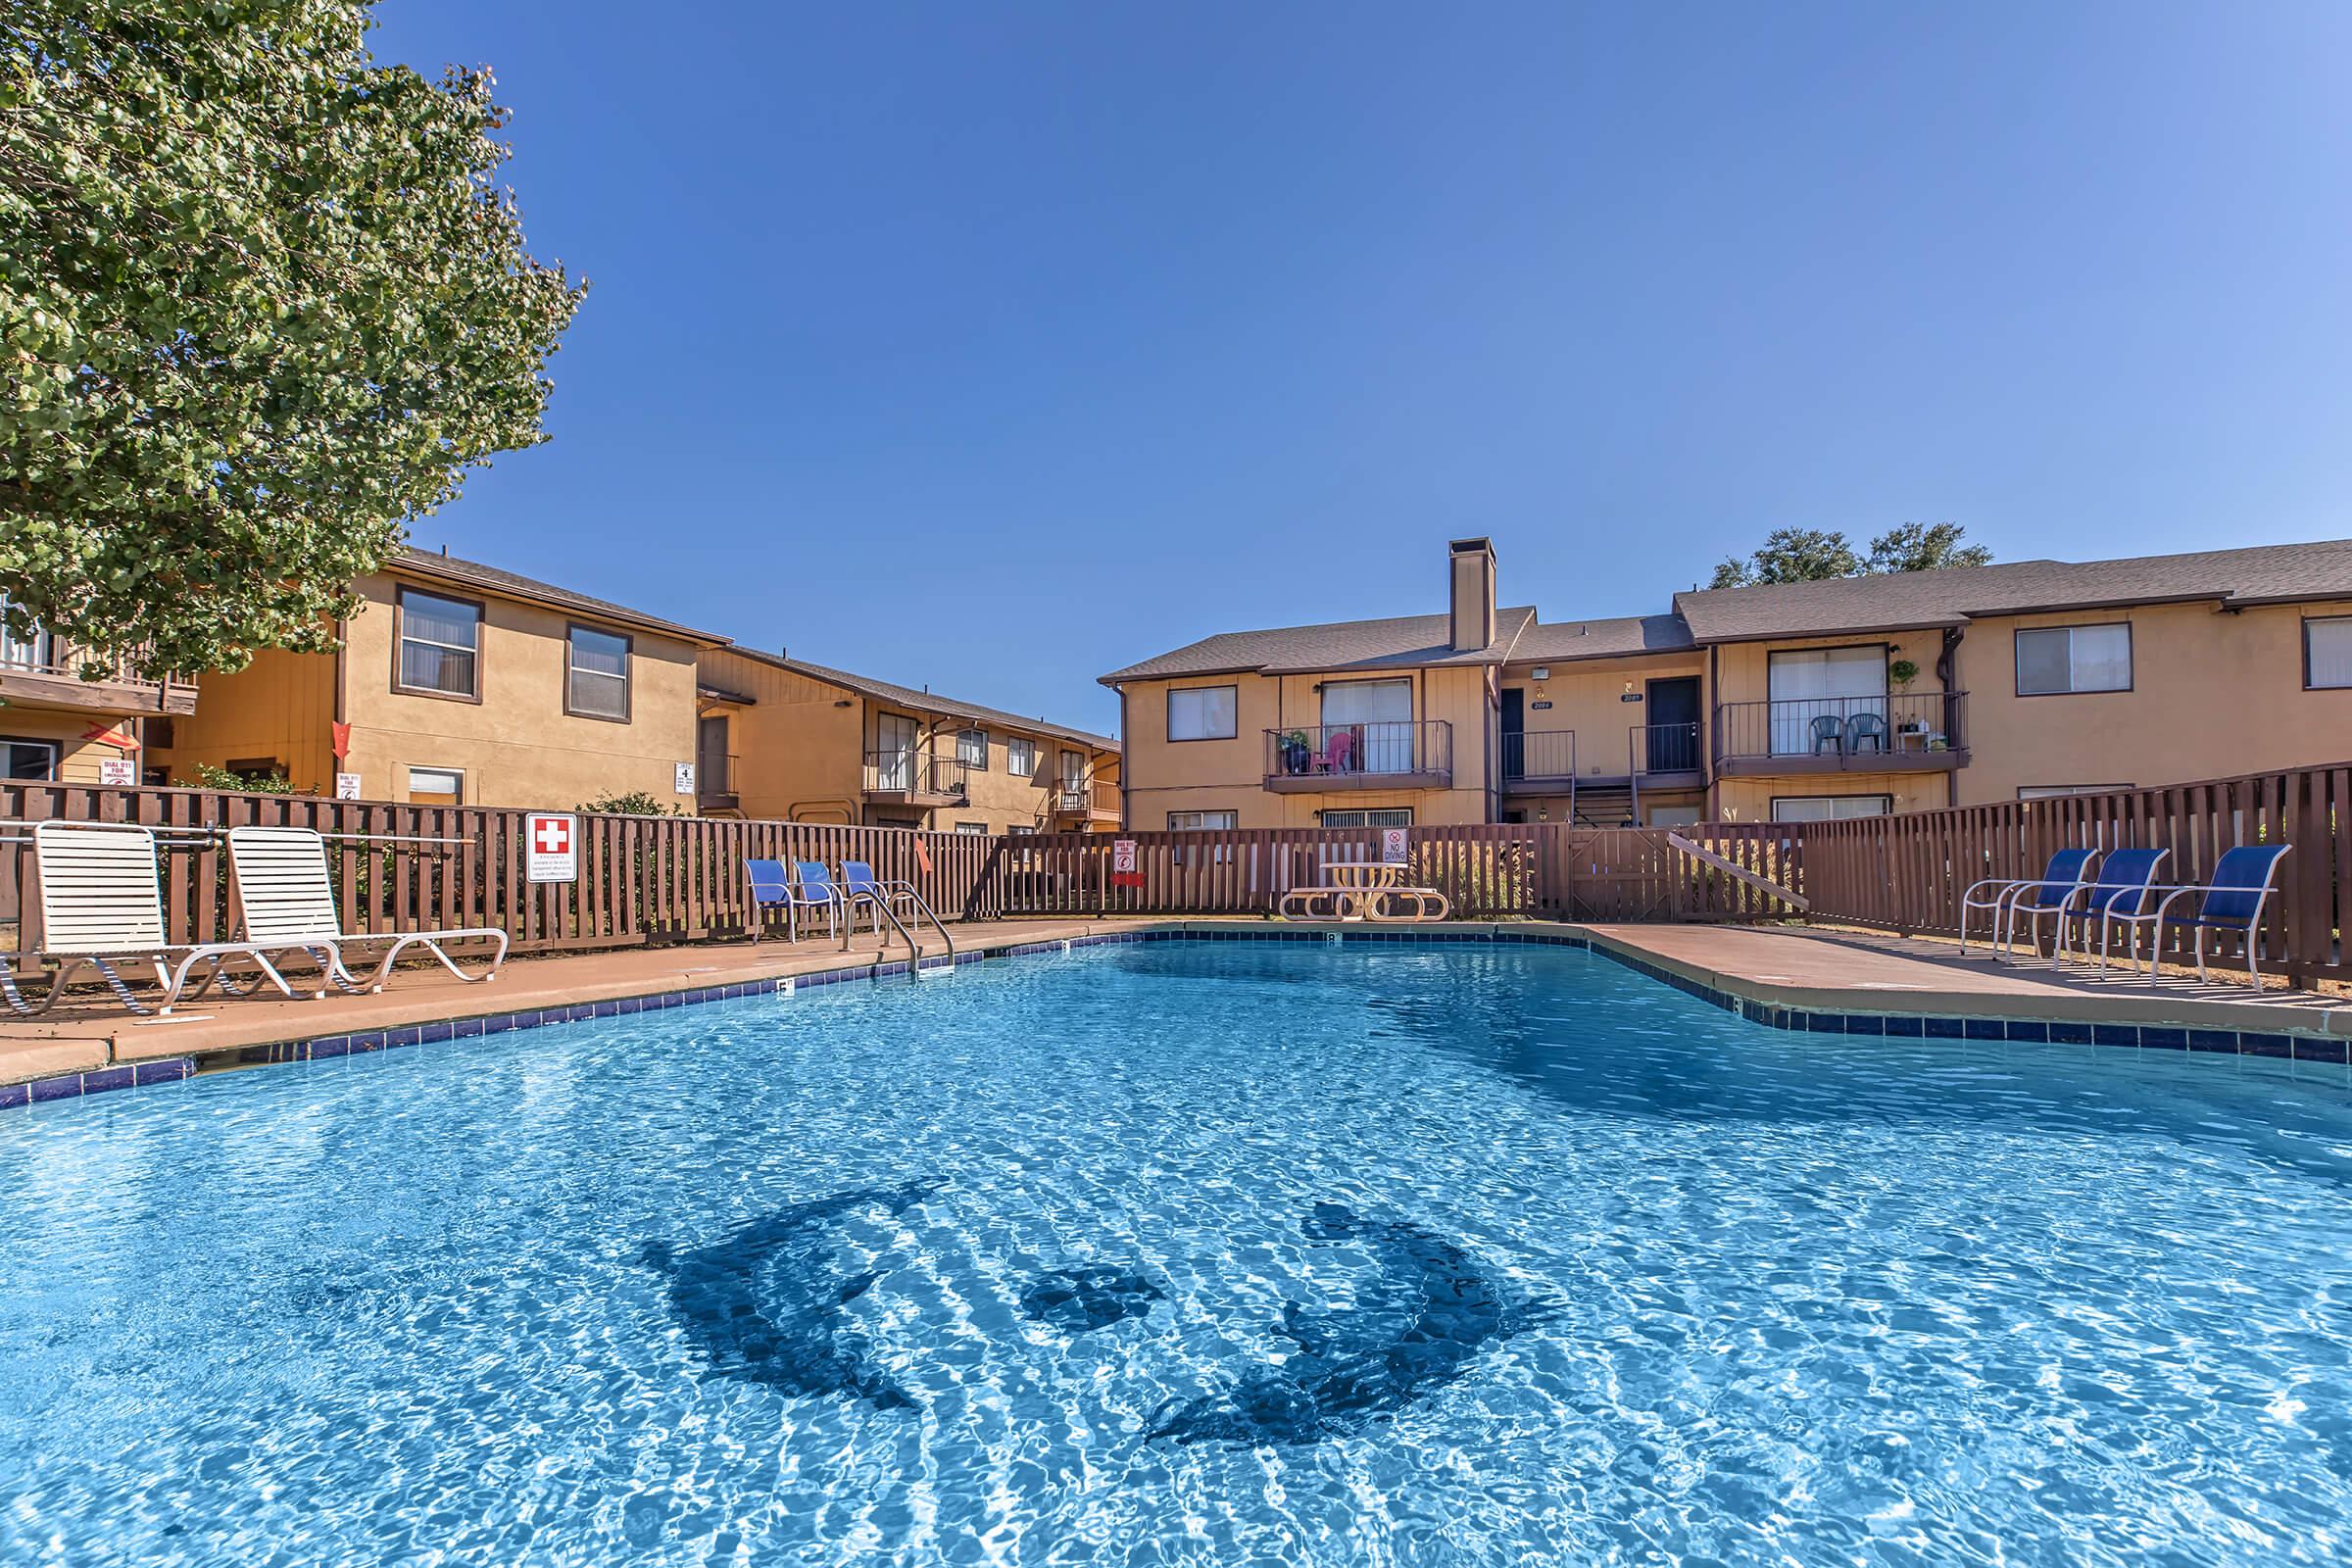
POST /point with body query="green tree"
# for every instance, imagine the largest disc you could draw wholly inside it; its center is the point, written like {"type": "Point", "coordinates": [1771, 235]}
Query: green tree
{"type": "Point", "coordinates": [1809, 555]}
{"type": "Point", "coordinates": [261, 302]}
{"type": "Point", "coordinates": [1791, 555]}
{"type": "Point", "coordinates": [1924, 547]}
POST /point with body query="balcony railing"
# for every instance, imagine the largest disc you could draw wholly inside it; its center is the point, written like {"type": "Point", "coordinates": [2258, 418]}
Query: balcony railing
{"type": "Point", "coordinates": [1096, 796]}
{"type": "Point", "coordinates": [1406, 754]}
{"type": "Point", "coordinates": [1540, 754]}
{"type": "Point", "coordinates": [47, 669]}
{"type": "Point", "coordinates": [1897, 730]}
{"type": "Point", "coordinates": [1664, 748]}
{"type": "Point", "coordinates": [917, 775]}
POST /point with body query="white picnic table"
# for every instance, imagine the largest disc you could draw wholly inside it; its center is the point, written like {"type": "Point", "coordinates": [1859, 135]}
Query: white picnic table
{"type": "Point", "coordinates": [1358, 888]}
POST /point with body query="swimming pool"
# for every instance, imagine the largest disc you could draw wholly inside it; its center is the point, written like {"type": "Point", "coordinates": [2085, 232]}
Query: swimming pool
{"type": "Point", "coordinates": [1187, 1252]}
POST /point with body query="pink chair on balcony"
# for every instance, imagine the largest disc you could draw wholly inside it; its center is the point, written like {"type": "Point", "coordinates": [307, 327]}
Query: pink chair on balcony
{"type": "Point", "coordinates": [1337, 749]}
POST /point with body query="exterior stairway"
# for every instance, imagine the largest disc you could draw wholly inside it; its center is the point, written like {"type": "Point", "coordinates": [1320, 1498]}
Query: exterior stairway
{"type": "Point", "coordinates": [1606, 806]}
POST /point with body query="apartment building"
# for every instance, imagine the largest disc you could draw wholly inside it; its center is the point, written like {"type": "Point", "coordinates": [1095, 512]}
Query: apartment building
{"type": "Point", "coordinates": [783, 738]}
{"type": "Point", "coordinates": [1790, 701]}
{"type": "Point", "coordinates": [460, 684]}
{"type": "Point", "coordinates": [72, 716]}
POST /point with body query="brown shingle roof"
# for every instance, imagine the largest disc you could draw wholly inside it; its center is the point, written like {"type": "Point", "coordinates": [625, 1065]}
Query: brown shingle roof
{"type": "Point", "coordinates": [1403, 642]}
{"type": "Point", "coordinates": [2262, 574]}
{"type": "Point", "coordinates": [473, 575]}
{"type": "Point", "coordinates": [1602, 639]}
{"type": "Point", "coordinates": [925, 701]}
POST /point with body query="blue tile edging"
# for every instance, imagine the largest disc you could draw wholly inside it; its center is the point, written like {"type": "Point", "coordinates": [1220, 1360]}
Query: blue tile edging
{"type": "Point", "coordinates": [2279, 1046]}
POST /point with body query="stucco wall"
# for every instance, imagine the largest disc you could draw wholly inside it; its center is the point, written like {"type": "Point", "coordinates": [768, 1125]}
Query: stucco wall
{"type": "Point", "coordinates": [1586, 698]}
{"type": "Point", "coordinates": [798, 747]}
{"type": "Point", "coordinates": [1164, 776]}
{"type": "Point", "coordinates": [281, 709]}
{"type": "Point", "coordinates": [2213, 693]}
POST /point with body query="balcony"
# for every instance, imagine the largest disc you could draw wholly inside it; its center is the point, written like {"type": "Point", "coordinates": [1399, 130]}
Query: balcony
{"type": "Point", "coordinates": [914, 779]}
{"type": "Point", "coordinates": [1391, 755]}
{"type": "Point", "coordinates": [1899, 733]}
{"type": "Point", "coordinates": [1659, 756]}
{"type": "Point", "coordinates": [42, 673]}
{"type": "Point", "coordinates": [1095, 800]}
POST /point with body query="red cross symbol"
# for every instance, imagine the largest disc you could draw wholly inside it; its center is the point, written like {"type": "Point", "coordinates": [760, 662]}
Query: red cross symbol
{"type": "Point", "coordinates": [550, 835]}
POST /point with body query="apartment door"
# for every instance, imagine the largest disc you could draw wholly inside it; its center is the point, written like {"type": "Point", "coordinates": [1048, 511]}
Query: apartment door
{"type": "Point", "coordinates": [1514, 732]}
{"type": "Point", "coordinates": [1810, 685]}
{"type": "Point", "coordinates": [894, 751]}
{"type": "Point", "coordinates": [1673, 704]}
{"type": "Point", "coordinates": [711, 755]}
{"type": "Point", "coordinates": [1380, 715]}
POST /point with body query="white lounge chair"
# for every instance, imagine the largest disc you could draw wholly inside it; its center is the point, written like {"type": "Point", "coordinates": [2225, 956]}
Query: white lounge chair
{"type": "Point", "coordinates": [285, 903]}
{"type": "Point", "coordinates": [102, 905]}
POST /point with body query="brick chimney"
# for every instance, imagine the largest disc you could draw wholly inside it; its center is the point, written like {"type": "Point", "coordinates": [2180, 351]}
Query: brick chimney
{"type": "Point", "coordinates": [1471, 565]}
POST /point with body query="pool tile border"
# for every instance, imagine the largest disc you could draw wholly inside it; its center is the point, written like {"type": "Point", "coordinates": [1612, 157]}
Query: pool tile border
{"type": "Point", "coordinates": [2286, 1045]}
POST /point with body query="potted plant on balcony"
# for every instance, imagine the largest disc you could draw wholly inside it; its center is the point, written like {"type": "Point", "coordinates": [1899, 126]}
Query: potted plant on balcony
{"type": "Point", "coordinates": [1294, 753]}
{"type": "Point", "coordinates": [1901, 672]}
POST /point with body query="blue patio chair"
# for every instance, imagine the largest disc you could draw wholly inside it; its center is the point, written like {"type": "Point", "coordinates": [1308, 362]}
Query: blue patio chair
{"type": "Point", "coordinates": [2003, 898]}
{"type": "Point", "coordinates": [769, 885]}
{"type": "Point", "coordinates": [2232, 902]}
{"type": "Point", "coordinates": [1868, 727]}
{"type": "Point", "coordinates": [813, 888]}
{"type": "Point", "coordinates": [2122, 890]}
{"type": "Point", "coordinates": [858, 884]}
{"type": "Point", "coordinates": [1829, 730]}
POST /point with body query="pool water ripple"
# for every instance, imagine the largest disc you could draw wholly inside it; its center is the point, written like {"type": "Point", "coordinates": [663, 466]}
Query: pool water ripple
{"type": "Point", "coordinates": [1186, 1255]}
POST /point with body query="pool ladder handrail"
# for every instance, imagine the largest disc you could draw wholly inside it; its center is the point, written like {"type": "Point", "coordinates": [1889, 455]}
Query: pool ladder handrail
{"type": "Point", "coordinates": [880, 897]}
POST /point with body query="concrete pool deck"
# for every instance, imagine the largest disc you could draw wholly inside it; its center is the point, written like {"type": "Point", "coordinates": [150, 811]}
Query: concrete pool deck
{"type": "Point", "coordinates": [1777, 967]}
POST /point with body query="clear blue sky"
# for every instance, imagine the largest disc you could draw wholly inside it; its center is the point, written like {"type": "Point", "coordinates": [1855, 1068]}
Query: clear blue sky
{"type": "Point", "coordinates": [998, 346]}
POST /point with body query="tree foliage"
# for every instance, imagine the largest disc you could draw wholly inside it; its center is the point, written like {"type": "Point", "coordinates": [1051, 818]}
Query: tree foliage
{"type": "Point", "coordinates": [1809, 555]}
{"type": "Point", "coordinates": [261, 301]}
{"type": "Point", "coordinates": [631, 802]}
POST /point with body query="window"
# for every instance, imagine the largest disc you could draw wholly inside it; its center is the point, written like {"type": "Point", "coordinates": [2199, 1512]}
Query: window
{"type": "Point", "coordinates": [29, 759]}
{"type": "Point", "coordinates": [1020, 830]}
{"type": "Point", "coordinates": [1203, 714]}
{"type": "Point", "coordinates": [1397, 817]}
{"type": "Point", "coordinates": [2042, 792]}
{"type": "Point", "coordinates": [598, 683]}
{"type": "Point", "coordinates": [439, 645]}
{"type": "Point", "coordinates": [1673, 816]}
{"type": "Point", "coordinates": [1829, 808]}
{"type": "Point", "coordinates": [436, 786]}
{"type": "Point", "coordinates": [30, 650]}
{"type": "Point", "coordinates": [2051, 660]}
{"type": "Point", "coordinates": [1381, 713]}
{"type": "Point", "coordinates": [971, 748]}
{"type": "Point", "coordinates": [1204, 822]}
{"type": "Point", "coordinates": [1020, 757]}
{"type": "Point", "coordinates": [2328, 652]}
{"type": "Point", "coordinates": [972, 829]}
{"type": "Point", "coordinates": [1814, 691]}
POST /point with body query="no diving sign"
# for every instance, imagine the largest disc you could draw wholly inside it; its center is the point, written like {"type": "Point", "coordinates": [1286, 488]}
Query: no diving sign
{"type": "Point", "coordinates": [1123, 873]}
{"type": "Point", "coordinates": [552, 845]}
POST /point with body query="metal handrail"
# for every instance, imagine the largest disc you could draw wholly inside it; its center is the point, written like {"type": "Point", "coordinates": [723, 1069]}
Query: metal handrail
{"type": "Point", "coordinates": [880, 898]}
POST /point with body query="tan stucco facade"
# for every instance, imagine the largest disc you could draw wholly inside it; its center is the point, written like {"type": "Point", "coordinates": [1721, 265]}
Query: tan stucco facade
{"type": "Point", "coordinates": [2214, 693]}
{"type": "Point", "coordinates": [511, 741]}
{"type": "Point", "coordinates": [1171, 778]}
{"type": "Point", "coordinates": [799, 746]}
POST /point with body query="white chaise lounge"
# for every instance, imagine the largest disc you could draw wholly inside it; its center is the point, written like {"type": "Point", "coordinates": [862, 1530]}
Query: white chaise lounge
{"type": "Point", "coordinates": [285, 903]}
{"type": "Point", "coordinates": [102, 905]}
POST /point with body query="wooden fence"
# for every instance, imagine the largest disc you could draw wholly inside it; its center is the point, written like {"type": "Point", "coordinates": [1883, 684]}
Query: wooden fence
{"type": "Point", "coordinates": [642, 879]}
{"type": "Point", "coordinates": [1906, 873]}
{"type": "Point", "coordinates": [1489, 872]}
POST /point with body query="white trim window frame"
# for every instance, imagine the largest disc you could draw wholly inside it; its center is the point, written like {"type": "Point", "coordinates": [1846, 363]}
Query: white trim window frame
{"type": "Point", "coordinates": [1020, 756]}
{"type": "Point", "coordinates": [1838, 807]}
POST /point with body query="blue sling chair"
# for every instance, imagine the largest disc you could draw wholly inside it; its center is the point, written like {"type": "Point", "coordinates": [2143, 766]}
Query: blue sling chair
{"type": "Point", "coordinates": [2231, 904]}
{"type": "Point", "coordinates": [2120, 893]}
{"type": "Point", "coordinates": [2003, 900]}
{"type": "Point", "coordinates": [808, 887]}
{"type": "Point", "coordinates": [859, 885]}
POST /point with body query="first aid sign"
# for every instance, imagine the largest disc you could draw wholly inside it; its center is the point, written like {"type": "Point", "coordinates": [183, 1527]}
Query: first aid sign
{"type": "Point", "coordinates": [551, 846]}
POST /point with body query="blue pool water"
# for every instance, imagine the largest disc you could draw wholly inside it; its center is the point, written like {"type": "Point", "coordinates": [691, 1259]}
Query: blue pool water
{"type": "Point", "coordinates": [1188, 1254]}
